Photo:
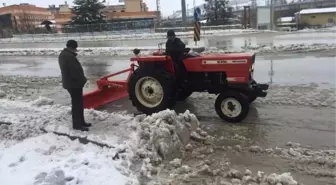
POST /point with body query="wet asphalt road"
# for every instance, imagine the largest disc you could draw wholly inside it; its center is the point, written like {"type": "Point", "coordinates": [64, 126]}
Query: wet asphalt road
{"type": "Point", "coordinates": [268, 125]}
{"type": "Point", "coordinates": [286, 69]}
{"type": "Point", "coordinates": [228, 41]}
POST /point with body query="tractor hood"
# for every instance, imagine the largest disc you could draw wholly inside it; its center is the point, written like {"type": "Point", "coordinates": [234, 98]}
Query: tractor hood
{"type": "Point", "coordinates": [228, 56]}
{"type": "Point", "coordinates": [224, 57]}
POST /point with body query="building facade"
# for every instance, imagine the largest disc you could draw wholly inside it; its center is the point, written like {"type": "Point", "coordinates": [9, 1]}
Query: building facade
{"type": "Point", "coordinates": [62, 15]}
{"type": "Point", "coordinates": [318, 17]}
{"type": "Point", "coordinates": [131, 12]}
{"type": "Point", "coordinates": [26, 17]}
{"type": "Point", "coordinates": [135, 6]}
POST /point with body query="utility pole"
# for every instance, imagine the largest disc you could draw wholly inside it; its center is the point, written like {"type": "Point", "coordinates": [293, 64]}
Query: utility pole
{"type": "Point", "coordinates": [272, 15]}
{"type": "Point", "coordinates": [187, 10]}
{"type": "Point", "coordinates": [158, 9]}
{"type": "Point", "coordinates": [271, 72]}
{"type": "Point", "coordinates": [183, 7]}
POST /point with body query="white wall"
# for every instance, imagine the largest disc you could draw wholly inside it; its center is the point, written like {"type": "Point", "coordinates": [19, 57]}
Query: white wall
{"type": "Point", "coordinates": [263, 15]}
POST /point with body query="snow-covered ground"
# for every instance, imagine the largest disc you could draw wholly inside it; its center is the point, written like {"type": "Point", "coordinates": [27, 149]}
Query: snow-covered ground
{"type": "Point", "coordinates": [38, 145]}
{"type": "Point", "coordinates": [52, 159]}
{"type": "Point", "coordinates": [122, 51]}
{"type": "Point", "coordinates": [139, 36]}
{"type": "Point", "coordinates": [30, 150]}
{"type": "Point", "coordinates": [333, 28]}
{"type": "Point", "coordinates": [33, 151]}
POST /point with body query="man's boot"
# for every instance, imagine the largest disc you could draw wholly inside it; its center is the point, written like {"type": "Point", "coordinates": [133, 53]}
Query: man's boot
{"type": "Point", "coordinates": [87, 124]}
{"type": "Point", "coordinates": [81, 128]}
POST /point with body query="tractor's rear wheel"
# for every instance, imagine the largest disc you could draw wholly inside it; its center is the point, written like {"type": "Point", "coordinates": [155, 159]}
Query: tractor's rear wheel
{"type": "Point", "coordinates": [232, 106]}
{"type": "Point", "coordinates": [152, 90]}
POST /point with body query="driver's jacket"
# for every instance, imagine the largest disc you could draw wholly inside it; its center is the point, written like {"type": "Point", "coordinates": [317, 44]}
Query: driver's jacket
{"type": "Point", "coordinates": [175, 49]}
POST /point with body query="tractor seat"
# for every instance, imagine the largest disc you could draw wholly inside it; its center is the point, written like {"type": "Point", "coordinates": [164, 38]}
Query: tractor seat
{"type": "Point", "coordinates": [193, 54]}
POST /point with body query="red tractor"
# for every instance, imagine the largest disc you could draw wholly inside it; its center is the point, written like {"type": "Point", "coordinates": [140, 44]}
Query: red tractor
{"type": "Point", "coordinates": [153, 84]}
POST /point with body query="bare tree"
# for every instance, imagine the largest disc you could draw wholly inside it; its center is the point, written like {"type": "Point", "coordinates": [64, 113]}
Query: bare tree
{"type": "Point", "coordinates": [26, 22]}
{"type": "Point", "coordinates": [217, 11]}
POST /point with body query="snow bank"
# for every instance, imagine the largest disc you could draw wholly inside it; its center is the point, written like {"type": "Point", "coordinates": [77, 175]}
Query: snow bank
{"type": "Point", "coordinates": [126, 51]}
{"type": "Point", "coordinates": [139, 36]}
{"type": "Point", "coordinates": [97, 51]}
{"type": "Point", "coordinates": [327, 29]}
{"type": "Point", "coordinates": [27, 127]}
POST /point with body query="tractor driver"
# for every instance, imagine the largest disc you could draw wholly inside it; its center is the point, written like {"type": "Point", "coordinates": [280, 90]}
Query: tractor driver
{"type": "Point", "coordinates": [175, 48]}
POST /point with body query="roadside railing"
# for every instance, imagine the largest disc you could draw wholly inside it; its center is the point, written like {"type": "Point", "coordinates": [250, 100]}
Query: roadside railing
{"type": "Point", "coordinates": [128, 33]}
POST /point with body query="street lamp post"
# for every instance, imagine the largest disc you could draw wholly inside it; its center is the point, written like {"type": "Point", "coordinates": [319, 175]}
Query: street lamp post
{"type": "Point", "coordinates": [272, 15]}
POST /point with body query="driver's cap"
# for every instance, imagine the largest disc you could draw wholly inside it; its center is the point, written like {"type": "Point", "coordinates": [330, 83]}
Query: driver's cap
{"type": "Point", "coordinates": [171, 33]}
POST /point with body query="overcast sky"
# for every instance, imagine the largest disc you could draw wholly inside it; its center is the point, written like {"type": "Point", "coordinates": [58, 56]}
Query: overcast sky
{"type": "Point", "coordinates": [167, 6]}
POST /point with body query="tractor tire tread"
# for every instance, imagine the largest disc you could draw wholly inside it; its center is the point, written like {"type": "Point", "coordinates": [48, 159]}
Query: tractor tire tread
{"type": "Point", "coordinates": [168, 84]}
{"type": "Point", "coordinates": [243, 99]}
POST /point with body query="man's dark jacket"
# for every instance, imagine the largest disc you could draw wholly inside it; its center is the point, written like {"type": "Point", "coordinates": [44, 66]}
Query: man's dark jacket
{"type": "Point", "coordinates": [71, 69]}
{"type": "Point", "coordinates": [175, 48]}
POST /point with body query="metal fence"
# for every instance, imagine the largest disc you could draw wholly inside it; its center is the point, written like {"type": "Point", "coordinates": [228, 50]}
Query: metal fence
{"type": "Point", "coordinates": [108, 31]}
{"type": "Point", "coordinates": [109, 27]}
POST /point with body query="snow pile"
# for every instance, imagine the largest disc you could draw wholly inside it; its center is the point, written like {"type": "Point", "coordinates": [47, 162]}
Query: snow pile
{"type": "Point", "coordinates": [166, 130]}
{"type": "Point", "coordinates": [227, 176]}
{"type": "Point", "coordinates": [161, 137]}
{"type": "Point", "coordinates": [127, 51]}
{"type": "Point", "coordinates": [118, 36]}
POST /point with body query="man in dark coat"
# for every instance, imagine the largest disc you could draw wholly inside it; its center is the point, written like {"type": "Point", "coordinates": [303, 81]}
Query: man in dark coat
{"type": "Point", "coordinates": [175, 48]}
{"type": "Point", "coordinates": [73, 80]}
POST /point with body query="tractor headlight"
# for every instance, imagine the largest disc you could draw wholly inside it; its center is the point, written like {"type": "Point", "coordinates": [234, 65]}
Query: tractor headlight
{"type": "Point", "coordinates": [252, 70]}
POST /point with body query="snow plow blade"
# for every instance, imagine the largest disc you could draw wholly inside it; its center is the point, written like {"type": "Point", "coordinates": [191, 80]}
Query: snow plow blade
{"type": "Point", "coordinates": [108, 91]}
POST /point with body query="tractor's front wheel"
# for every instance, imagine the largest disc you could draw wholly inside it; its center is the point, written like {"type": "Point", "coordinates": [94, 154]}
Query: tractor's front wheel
{"type": "Point", "coordinates": [152, 91]}
{"type": "Point", "coordinates": [232, 106]}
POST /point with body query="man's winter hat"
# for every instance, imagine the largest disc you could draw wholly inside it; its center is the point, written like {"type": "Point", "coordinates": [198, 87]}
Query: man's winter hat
{"type": "Point", "coordinates": [171, 33]}
{"type": "Point", "coordinates": [72, 44]}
